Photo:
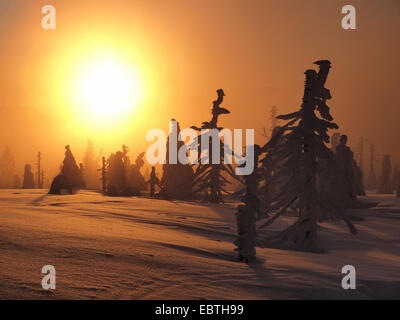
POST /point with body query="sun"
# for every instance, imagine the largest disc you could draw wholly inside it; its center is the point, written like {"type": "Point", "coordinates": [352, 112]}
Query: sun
{"type": "Point", "coordinates": [108, 89]}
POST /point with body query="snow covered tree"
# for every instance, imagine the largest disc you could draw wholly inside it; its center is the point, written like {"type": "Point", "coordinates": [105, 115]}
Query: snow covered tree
{"type": "Point", "coordinates": [358, 179]}
{"type": "Point", "coordinates": [39, 171]}
{"type": "Point", "coordinates": [125, 165]}
{"type": "Point", "coordinates": [359, 154]}
{"type": "Point", "coordinates": [153, 181]}
{"type": "Point", "coordinates": [246, 216]}
{"type": "Point", "coordinates": [135, 178]}
{"type": "Point", "coordinates": [81, 173]}
{"type": "Point", "coordinates": [396, 178]}
{"type": "Point", "coordinates": [177, 179]}
{"type": "Point", "coordinates": [398, 188]}
{"type": "Point", "coordinates": [103, 178]}
{"type": "Point", "coordinates": [209, 177]}
{"type": "Point", "coordinates": [70, 179]}
{"type": "Point", "coordinates": [7, 169]}
{"type": "Point", "coordinates": [297, 165]}
{"type": "Point", "coordinates": [335, 141]}
{"type": "Point", "coordinates": [17, 181]}
{"type": "Point", "coordinates": [274, 122]}
{"type": "Point", "coordinates": [91, 167]}
{"type": "Point", "coordinates": [115, 175]}
{"type": "Point", "coordinates": [350, 171]}
{"type": "Point", "coordinates": [349, 183]}
{"type": "Point", "coordinates": [147, 173]}
{"type": "Point", "coordinates": [71, 170]}
{"type": "Point", "coordinates": [371, 183]}
{"type": "Point", "coordinates": [266, 190]}
{"type": "Point", "coordinates": [28, 182]}
{"type": "Point", "coordinates": [347, 177]}
{"type": "Point", "coordinates": [385, 180]}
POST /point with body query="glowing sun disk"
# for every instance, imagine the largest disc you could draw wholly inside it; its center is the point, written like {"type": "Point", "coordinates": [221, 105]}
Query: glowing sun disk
{"type": "Point", "coordinates": [107, 90]}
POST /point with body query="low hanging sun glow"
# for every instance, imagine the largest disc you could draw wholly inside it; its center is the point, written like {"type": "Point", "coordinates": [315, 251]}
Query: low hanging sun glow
{"type": "Point", "coordinates": [107, 90]}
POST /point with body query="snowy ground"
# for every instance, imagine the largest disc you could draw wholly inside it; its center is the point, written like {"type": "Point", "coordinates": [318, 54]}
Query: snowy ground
{"type": "Point", "coordinates": [140, 248]}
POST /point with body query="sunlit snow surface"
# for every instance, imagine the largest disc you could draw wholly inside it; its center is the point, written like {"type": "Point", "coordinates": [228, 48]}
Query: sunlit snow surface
{"type": "Point", "coordinates": [142, 248]}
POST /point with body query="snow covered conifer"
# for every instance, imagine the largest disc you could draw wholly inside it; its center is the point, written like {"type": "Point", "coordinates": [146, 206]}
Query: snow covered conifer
{"type": "Point", "coordinates": [335, 141]}
{"type": "Point", "coordinates": [297, 164]}
{"type": "Point", "coordinates": [360, 191]}
{"type": "Point", "coordinates": [371, 183]}
{"type": "Point", "coordinates": [116, 174]}
{"type": "Point", "coordinates": [246, 216]}
{"type": "Point", "coordinates": [71, 170]}
{"type": "Point", "coordinates": [396, 178]}
{"type": "Point", "coordinates": [135, 178]}
{"type": "Point", "coordinates": [103, 178]}
{"type": "Point", "coordinates": [209, 177]}
{"type": "Point", "coordinates": [28, 182]}
{"type": "Point", "coordinates": [266, 190]}
{"type": "Point", "coordinates": [70, 179]}
{"type": "Point", "coordinates": [177, 179]}
{"type": "Point", "coordinates": [7, 169]}
{"type": "Point", "coordinates": [91, 167]}
{"type": "Point", "coordinates": [385, 180]}
{"type": "Point", "coordinates": [348, 176]}
{"type": "Point", "coordinates": [17, 181]}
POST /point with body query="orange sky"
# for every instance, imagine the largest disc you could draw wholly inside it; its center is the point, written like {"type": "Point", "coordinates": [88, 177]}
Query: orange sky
{"type": "Point", "coordinates": [257, 51]}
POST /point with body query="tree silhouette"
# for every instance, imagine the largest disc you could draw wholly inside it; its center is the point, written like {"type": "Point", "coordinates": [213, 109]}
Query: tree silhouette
{"type": "Point", "coordinates": [274, 122]}
{"type": "Point", "coordinates": [70, 179]}
{"type": "Point", "coordinates": [17, 182]}
{"type": "Point", "coordinates": [209, 177]}
{"type": "Point", "coordinates": [153, 181]}
{"type": "Point", "coordinates": [28, 182]}
{"type": "Point", "coordinates": [266, 190]}
{"type": "Point", "coordinates": [298, 162]}
{"type": "Point", "coordinates": [115, 174]}
{"type": "Point", "coordinates": [385, 180]}
{"type": "Point", "coordinates": [39, 171]}
{"type": "Point", "coordinates": [335, 141]}
{"type": "Point", "coordinates": [246, 216]}
{"type": "Point", "coordinates": [135, 178]}
{"type": "Point", "coordinates": [71, 170]}
{"type": "Point", "coordinates": [103, 178]}
{"type": "Point", "coordinates": [7, 169]}
{"type": "Point", "coordinates": [396, 178]}
{"type": "Point", "coordinates": [371, 183]}
{"type": "Point", "coordinates": [177, 179]}
{"type": "Point", "coordinates": [359, 154]}
{"type": "Point", "coordinates": [125, 165]}
{"type": "Point", "coordinates": [91, 167]}
{"type": "Point", "coordinates": [347, 177]}
{"type": "Point", "coordinates": [398, 188]}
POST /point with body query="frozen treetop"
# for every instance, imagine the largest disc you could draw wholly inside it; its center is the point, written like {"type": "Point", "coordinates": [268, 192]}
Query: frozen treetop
{"type": "Point", "coordinates": [216, 111]}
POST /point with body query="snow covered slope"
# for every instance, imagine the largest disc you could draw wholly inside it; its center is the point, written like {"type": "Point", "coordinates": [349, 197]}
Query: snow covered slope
{"type": "Point", "coordinates": [142, 248]}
